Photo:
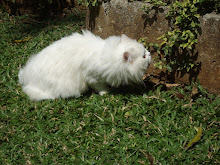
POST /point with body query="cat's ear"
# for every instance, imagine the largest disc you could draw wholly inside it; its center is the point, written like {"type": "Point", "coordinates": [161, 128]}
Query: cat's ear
{"type": "Point", "coordinates": [124, 38]}
{"type": "Point", "coordinates": [127, 57]}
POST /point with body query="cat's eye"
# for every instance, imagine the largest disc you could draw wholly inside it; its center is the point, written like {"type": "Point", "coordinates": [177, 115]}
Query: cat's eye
{"type": "Point", "coordinates": [144, 56]}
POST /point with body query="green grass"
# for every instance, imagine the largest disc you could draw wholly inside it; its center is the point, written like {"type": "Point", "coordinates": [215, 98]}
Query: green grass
{"type": "Point", "coordinates": [123, 127]}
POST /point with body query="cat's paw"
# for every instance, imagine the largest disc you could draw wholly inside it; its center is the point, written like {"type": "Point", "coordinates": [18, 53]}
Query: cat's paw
{"type": "Point", "coordinates": [101, 93]}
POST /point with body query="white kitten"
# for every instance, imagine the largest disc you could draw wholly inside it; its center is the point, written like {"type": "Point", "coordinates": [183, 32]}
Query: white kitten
{"type": "Point", "coordinates": [71, 65]}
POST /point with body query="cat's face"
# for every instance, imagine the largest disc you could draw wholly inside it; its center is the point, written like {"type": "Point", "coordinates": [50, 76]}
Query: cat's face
{"type": "Point", "coordinates": [135, 56]}
{"type": "Point", "coordinates": [128, 62]}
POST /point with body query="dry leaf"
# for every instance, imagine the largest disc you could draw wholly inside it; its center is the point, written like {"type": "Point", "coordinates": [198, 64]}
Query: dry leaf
{"type": "Point", "coordinates": [128, 128]}
{"type": "Point", "coordinates": [154, 97]}
{"type": "Point", "coordinates": [98, 117]}
{"type": "Point", "coordinates": [148, 156]}
{"type": "Point", "coordinates": [178, 95]}
{"type": "Point", "coordinates": [169, 86]}
{"type": "Point", "coordinates": [195, 91]}
{"type": "Point", "coordinates": [188, 105]}
{"type": "Point", "coordinates": [141, 162]}
{"type": "Point", "coordinates": [195, 139]}
{"type": "Point", "coordinates": [23, 40]}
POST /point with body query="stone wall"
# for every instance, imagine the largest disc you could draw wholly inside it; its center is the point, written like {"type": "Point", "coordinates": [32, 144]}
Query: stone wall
{"type": "Point", "coordinates": [120, 16]}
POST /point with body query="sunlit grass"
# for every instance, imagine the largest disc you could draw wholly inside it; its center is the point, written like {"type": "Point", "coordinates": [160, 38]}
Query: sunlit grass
{"type": "Point", "coordinates": [123, 127]}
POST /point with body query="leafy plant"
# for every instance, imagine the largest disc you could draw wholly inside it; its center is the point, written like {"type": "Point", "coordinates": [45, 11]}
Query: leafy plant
{"type": "Point", "coordinates": [154, 4]}
{"type": "Point", "coordinates": [176, 52]}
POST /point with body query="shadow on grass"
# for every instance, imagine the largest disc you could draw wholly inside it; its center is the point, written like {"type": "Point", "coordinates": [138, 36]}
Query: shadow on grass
{"type": "Point", "coordinates": [134, 89]}
{"type": "Point", "coordinates": [32, 26]}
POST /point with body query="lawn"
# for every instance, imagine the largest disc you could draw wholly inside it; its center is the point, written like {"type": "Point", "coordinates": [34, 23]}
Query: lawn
{"type": "Point", "coordinates": [130, 125]}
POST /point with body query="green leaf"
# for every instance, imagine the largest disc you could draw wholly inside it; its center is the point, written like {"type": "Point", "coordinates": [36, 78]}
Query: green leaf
{"type": "Point", "coordinates": [163, 43]}
{"type": "Point", "coordinates": [196, 41]}
{"type": "Point", "coordinates": [169, 33]}
{"type": "Point", "coordinates": [197, 15]}
{"type": "Point", "coordinates": [165, 52]}
{"type": "Point", "coordinates": [184, 46]}
{"type": "Point", "coordinates": [175, 37]}
{"type": "Point", "coordinates": [193, 24]}
{"type": "Point", "coordinates": [94, 3]}
{"type": "Point", "coordinates": [160, 67]}
{"type": "Point", "coordinates": [156, 46]}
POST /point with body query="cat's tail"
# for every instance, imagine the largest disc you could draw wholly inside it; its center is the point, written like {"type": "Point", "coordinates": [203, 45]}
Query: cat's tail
{"type": "Point", "coordinates": [37, 94]}
{"type": "Point", "coordinates": [33, 92]}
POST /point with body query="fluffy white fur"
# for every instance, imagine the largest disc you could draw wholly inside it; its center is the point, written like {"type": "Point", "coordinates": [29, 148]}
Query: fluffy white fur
{"type": "Point", "coordinates": [71, 65]}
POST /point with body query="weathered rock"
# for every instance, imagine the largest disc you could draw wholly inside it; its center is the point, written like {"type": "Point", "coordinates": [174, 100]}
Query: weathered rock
{"type": "Point", "coordinates": [209, 52]}
{"type": "Point", "coordinates": [122, 17]}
